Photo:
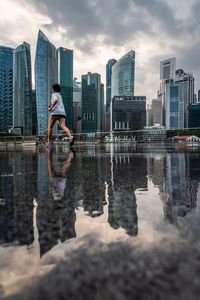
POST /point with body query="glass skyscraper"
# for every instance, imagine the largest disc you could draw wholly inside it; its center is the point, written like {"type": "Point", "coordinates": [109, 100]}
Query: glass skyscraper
{"type": "Point", "coordinates": [123, 75]}
{"type": "Point", "coordinates": [186, 94]}
{"type": "Point", "coordinates": [194, 115]}
{"type": "Point", "coordinates": [128, 113]}
{"type": "Point", "coordinates": [22, 89]}
{"type": "Point", "coordinates": [6, 88]}
{"type": "Point", "coordinates": [65, 79]}
{"type": "Point", "coordinates": [109, 65]}
{"type": "Point", "coordinates": [45, 75]}
{"type": "Point", "coordinates": [91, 103]}
{"type": "Point", "coordinates": [174, 108]}
{"type": "Point", "coordinates": [179, 94]}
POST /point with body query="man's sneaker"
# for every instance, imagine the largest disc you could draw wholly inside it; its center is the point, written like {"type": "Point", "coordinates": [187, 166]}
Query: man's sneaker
{"type": "Point", "coordinates": [72, 142]}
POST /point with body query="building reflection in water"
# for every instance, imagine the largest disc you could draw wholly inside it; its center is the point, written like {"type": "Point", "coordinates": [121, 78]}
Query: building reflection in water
{"type": "Point", "coordinates": [18, 188]}
{"type": "Point", "coordinates": [128, 172]}
{"type": "Point", "coordinates": [173, 174]}
{"type": "Point", "coordinates": [95, 179]}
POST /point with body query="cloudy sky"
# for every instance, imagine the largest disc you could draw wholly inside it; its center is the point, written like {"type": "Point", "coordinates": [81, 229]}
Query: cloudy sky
{"type": "Point", "coordinates": [98, 30]}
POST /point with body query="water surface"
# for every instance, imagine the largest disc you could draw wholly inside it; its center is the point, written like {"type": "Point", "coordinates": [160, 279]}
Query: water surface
{"type": "Point", "coordinates": [51, 200]}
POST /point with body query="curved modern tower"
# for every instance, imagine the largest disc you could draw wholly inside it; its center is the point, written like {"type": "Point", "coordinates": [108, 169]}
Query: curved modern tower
{"type": "Point", "coordinates": [123, 75]}
{"type": "Point", "coordinates": [45, 76]}
{"type": "Point", "coordinates": [65, 79]}
{"type": "Point", "coordinates": [6, 88]}
{"type": "Point", "coordinates": [22, 89]}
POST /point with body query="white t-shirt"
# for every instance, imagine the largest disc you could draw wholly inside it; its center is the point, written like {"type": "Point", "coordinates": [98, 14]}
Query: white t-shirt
{"type": "Point", "coordinates": [58, 108]}
{"type": "Point", "coordinates": [58, 187]}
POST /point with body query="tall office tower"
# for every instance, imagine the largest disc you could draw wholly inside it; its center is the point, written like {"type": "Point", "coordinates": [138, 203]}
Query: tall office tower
{"type": "Point", "coordinates": [167, 69]}
{"type": "Point", "coordinates": [109, 65]}
{"type": "Point", "coordinates": [149, 121]}
{"type": "Point", "coordinates": [34, 113]}
{"type": "Point", "coordinates": [156, 108]}
{"type": "Point", "coordinates": [179, 94]}
{"type": "Point", "coordinates": [91, 103]}
{"type": "Point", "coordinates": [167, 72]}
{"type": "Point", "coordinates": [174, 109]}
{"type": "Point", "coordinates": [65, 79]}
{"type": "Point", "coordinates": [186, 91]}
{"type": "Point", "coordinates": [77, 90]}
{"type": "Point", "coordinates": [6, 88]}
{"type": "Point", "coordinates": [102, 110]}
{"type": "Point", "coordinates": [22, 90]}
{"type": "Point", "coordinates": [123, 76]}
{"type": "Point", "coordinates": [45, 75]}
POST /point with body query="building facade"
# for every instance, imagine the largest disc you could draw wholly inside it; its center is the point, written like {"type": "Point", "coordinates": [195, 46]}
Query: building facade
{"type": "Point", "coordinates": [167, 72]}
{"type": "Point", "coordinates": [22, 90]}
{"type": "Point", "coordinates": [77, 105]}
{"type": "Point", "coordinates": [65, 79]}
{"type": "Point", "coordinates": [194, 115]}
{"type": "Point", "coordinates": [128, 113]}
{"type": "Point", "coordinates": [6, 88]}
{"type": "Point", "coordinates": [156, 110]}
{"type": "Point", "coordinates": [91, 103]}
{"type": "Point", "coordinates": [34, 113]}
{"type": "Point", "coordinates": [123, 75]}
{"type": "Point", "coordinates": [179, 94]}
{"type": "Point", "coordinates": [45, 76]}
{"type": "Point", "coordinates": [186, 91]}
{"type": "Point", "coordinates": [174, 108]}
{"type": "Point", "coordinates": [109, 66]}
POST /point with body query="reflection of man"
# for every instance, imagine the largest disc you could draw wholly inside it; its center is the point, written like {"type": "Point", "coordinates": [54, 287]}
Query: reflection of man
{"type": "Point", "coordinates": [57, 217]}
{"type": "Point", "coordinates": [58, 179]}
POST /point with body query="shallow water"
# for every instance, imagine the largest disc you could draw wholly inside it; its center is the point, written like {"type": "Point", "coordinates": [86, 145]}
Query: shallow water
{"type": "Point", "coordinates": [52, 201]}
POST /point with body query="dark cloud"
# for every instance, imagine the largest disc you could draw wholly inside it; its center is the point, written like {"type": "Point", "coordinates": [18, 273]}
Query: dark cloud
{"type": "Point", "coordinates": [115, 21]}
{"type": "Point", "coordinates": [162, 14]}
{"type": "Point", "coordinates": [188, 56]}
{"type": "Point", "coordinates": [193, 23]}
{"type": "Point", "coordinates": [121, 23]}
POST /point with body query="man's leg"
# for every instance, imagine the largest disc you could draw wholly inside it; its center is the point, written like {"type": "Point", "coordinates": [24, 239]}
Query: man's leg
{"type": "Point", "coordinates": [64, 127]}
{"type": "Point", "coordinates": [52, 121]}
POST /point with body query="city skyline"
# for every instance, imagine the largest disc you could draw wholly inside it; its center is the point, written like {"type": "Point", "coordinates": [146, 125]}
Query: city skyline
{"type": "Point", "coordinates": [156, 30]}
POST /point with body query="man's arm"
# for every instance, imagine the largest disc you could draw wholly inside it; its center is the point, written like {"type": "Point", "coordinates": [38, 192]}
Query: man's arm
{"type": "Point", "coordinates": [50, 106]}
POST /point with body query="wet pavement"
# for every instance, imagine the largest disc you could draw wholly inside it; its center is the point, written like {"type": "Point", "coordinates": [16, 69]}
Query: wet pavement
{"type": "Point", "coordinates": [60, 203]}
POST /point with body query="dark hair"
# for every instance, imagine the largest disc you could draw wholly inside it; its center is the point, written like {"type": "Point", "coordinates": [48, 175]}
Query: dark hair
{"type": "Point", "coordinates": [56, 87]}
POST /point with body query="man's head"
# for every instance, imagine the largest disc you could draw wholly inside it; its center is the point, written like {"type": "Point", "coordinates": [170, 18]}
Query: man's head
{"type": "Point", "coordinates": [56, 88]}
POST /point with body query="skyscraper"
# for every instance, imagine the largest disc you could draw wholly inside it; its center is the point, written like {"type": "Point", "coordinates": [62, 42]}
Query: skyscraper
{"type": "Point", "coordinates": [22, 89]}
{"type": "Point", "coordinates": [65, 79]}
{"type": "Point", "coordinates": [91, 103]}
{"type": "Point", "coordinates": [179, 94]}
{"type": "Point", "coordinates": [45, 75]}
{"type": "Point", "coordinates": [109, 65]}
{"type": "Point", "coordinates": [77, 105]}
{"type": "Point", "coordinates": [167, 69]}
{"type": "Point", "coordinates": [194, 115]}
{"type": "Point", "coordinates": [156, 108]}
{"type": "Point", "coordinates": [6, 88]}
{"type": "Point", "coordinates": [167, 72]}
{"type": "Point", "coordinates": [123, 75]}
{"type": "Point", "coordinates": [174, 108]}
{"type": "Point", "coordinates": [102, 110]}
{"type": "Point", "coordinates": [186, 91]}
{"type": "Point", "coordinates": [128, 113]}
